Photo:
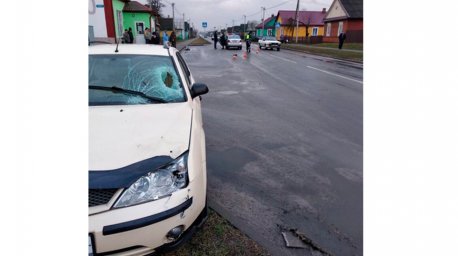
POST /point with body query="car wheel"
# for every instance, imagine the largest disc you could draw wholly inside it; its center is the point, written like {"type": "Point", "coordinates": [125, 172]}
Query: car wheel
{"type": "Point", "coordinates": [278, 49]}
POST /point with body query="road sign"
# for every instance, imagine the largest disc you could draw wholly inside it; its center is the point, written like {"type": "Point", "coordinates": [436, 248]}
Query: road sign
{"type": "Point", "coordinates": [277, 24]}
{"type": "Point", "coordinates": [204, 24]}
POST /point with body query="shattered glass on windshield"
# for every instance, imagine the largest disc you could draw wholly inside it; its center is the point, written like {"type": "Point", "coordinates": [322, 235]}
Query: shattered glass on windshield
{"type": "Point", "coordinates": [154, 76]}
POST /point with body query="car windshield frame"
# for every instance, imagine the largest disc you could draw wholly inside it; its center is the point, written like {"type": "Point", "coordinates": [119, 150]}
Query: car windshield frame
{"type": "Point", "coordinates": [175, 75]}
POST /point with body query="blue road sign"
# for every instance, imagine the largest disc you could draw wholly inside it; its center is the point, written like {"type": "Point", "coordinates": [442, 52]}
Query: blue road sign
{"type": "Point", "coordinates": [204, 24]}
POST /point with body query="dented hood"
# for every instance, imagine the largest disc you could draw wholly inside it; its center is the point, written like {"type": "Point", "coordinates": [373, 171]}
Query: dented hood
{"type": "Point", "coordinates": [122, 135]}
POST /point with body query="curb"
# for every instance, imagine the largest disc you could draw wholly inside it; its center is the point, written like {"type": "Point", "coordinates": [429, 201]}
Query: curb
{"type": "Point", "coordinates": [296, 50]}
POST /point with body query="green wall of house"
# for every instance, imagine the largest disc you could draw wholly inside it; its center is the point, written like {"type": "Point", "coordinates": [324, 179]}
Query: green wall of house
{"type": "Point", "coordinates": [130, 18]}
{"type": "Point", "coordinates": [269, 25]}
{"type": "Point", "coordinates": [117, 6]}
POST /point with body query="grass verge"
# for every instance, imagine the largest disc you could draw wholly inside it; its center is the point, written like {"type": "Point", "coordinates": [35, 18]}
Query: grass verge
{"type": "Point", "coordinates": [219, 237]}
{"type": "Point", "coordinates": [348, 46]}
{"type": "Point", "coordinates": [327, 52]}
{"type": "Point", "coordinates": [199, 42]}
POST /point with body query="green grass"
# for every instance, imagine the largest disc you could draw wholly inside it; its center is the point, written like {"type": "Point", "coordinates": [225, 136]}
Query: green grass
{"type": "Point", "coordinates": [322, 51]}
{"type": "Point", "coordinates": [219, 237]}
{"type": "Point", "coordinates": [349, 46]}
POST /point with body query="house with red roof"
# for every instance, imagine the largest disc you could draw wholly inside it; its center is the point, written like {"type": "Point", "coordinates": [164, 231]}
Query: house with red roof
{"type": "Point", "coordinates": [109, 18]}
{"type": "Point", "coordinates": [311, 24]}
{"type": "Point", "coordinates": [344, 16]}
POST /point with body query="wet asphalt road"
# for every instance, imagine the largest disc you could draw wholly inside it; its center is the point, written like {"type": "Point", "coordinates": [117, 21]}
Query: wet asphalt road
{"type": "Point", "coordinates": [284, 134]}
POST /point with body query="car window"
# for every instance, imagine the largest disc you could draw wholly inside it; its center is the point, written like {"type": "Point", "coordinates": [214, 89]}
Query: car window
{"type": "Point", "coordinates": [153, 76]}
{"type": "Point", "coordinates": [234, 37]}
{"type": "Point", "coordinates": [271, 38]}
{"type": "Point", "coordinates": [185, 69]}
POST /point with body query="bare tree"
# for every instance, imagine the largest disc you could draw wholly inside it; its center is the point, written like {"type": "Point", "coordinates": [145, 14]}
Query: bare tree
{"type": "Point", "coordinates": [251, 25]}
{"type": "Point", "coordinates": [156, 5]}
{"type": "Point", "coordinates": [307, 25]}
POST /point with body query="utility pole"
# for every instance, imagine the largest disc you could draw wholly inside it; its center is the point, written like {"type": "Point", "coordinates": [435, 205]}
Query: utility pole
{"type": "Point", "coordinates": [297, 20]}
{"type": "Point", "coordinates": [183, 32]}
{"type": "Point", "coordinates": [244, 24]}
{"type": "Point", "coordinates": [173, 16]}
{"type": "Point", "coordinates": [263, 13]}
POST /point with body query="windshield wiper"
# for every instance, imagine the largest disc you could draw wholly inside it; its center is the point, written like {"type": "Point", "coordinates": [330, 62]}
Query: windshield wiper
{"type": "Point", "coordinates": [116, 89]}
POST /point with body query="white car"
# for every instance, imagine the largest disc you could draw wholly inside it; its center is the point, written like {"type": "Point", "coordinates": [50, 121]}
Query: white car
{"type": "Point", "coordinates": [234, 41]}
{"type": "Point", "coordinates": [147, 158]}
{"type": "Point", "coordinates": [269, 42]}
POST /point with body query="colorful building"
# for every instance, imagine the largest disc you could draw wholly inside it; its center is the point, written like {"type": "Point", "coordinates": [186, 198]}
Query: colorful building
{"type": "Point", "coordinates": [109, 18]}
{"type": "Point", "coordinates": [344, 16]}
{"type": "Point", "coordinates": [311, 24]}
{"type": "Point", "coordinates": [266, 28]}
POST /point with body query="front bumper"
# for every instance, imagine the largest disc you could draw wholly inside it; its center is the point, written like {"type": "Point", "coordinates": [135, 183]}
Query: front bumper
{"type": "Point", "coordinates": [142, 229]}
{"type": "Point", "coordinates": [236, 45]}
{"type": "Point", "coordinates": [272, 46]}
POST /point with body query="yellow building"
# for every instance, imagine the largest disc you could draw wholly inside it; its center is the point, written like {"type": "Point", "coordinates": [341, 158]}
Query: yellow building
{"type": "Point", "coordinates": [286, 25]}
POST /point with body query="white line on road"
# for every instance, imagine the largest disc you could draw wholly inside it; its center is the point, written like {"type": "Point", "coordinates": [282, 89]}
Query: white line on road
{"type": "Point", "coordinates": [282, 58]}
{"type": "Point", "coordinates": [327, 72]}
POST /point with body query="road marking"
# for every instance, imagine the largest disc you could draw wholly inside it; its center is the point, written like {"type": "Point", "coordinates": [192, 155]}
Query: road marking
{"type": "Point", "coordinates": [281, 58]}
{"type": "Point", "coordinates": [330, 73]}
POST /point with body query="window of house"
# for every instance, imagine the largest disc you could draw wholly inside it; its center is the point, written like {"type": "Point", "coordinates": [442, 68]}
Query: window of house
{"type": "Point", "coordinates": [269, 32]}
{"type": "Point", "coordinates": [140, 27]}
{"type": "Point", "coordinates": [315, 31]}
{"type": "Point", "coordinates": [328, 29]}
{"type": "Point", "coordinates": [340, 30]}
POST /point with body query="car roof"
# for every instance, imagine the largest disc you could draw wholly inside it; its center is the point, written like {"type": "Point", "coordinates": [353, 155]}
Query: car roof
{"type": "Point", "coordinates": [142, 49]}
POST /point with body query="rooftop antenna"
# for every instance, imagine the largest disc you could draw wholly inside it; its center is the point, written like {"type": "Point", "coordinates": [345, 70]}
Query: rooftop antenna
{"type": "Point", "coordinates": [117, 43]}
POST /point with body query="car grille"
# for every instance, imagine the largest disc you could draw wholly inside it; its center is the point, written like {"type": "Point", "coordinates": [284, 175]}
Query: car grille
{"type": "Point", "coordinates": [100, 196]}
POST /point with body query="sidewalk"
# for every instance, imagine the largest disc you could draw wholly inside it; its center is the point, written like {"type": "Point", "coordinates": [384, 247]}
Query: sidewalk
{"type": "Point", "coordinates": [182, 44]}
{"type": "Point", "coordinates": [340, 54]}
{"type": "Point", "coordinates": [321, 47]}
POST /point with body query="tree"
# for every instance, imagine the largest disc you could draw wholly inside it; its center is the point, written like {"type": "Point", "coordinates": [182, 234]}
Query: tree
{"type": "Point", "coordinates": [307, 29]}
{"type": "Point", "coordinates": [156, 5]}
{"type": "Point", "coordinates": [251, 25]}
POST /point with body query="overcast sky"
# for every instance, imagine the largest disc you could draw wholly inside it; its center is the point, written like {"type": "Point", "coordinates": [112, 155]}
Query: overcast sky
{"type": "Point", "coordinates": [218, 13]}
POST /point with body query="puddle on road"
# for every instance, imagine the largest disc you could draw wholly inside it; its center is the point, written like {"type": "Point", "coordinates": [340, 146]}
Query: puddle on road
{"type": "Point", "coordinates": [230, 160]}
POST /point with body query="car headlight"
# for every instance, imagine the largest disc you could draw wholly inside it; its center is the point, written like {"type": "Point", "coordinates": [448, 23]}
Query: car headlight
{"type": "Point", "coordinates": [157, 184]}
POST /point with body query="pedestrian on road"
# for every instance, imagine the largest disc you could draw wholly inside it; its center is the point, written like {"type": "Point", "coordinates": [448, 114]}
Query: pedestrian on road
{"type": "Point", "coordinates": [223, 41]}
{"type": "Point", "coordinates": [147, 36]}
{"type": "Point", "coordinates": [125, 37]}
{"type": "Point", "coordinates": [215, 39]}
{"type": "Point", "coordinates": [248, 43]}
{"type": "Point", "coordinates": [165, 39]}
{"type": "Point", "coordinates": [173, 39]}
{"type": "Point", "coordinates": [131, 36]}
{"type": "Point", "coordinates": [342, 38]}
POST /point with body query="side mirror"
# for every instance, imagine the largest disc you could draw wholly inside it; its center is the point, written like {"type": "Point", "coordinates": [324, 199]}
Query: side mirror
{"type": "Point", "coordinates": [198, 89]}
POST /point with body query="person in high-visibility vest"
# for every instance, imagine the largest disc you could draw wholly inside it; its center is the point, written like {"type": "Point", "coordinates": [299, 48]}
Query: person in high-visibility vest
{"type": "Point", "coordinates": [248, 42]}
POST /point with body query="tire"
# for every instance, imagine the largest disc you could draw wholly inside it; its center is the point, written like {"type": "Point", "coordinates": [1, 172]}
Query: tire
{"type": "Point", "coordinates": [278, 49]}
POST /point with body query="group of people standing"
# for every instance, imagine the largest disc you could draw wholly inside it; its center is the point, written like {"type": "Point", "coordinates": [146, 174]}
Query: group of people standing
{"type": "Point", "coordinates": [128, 36]}
{"type": "Point", "coordinates": [222, 40]}
{"type": "Point", "coordinates": [150, 37]}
